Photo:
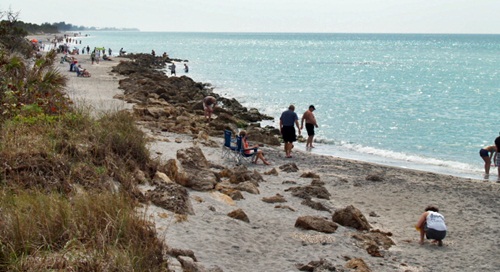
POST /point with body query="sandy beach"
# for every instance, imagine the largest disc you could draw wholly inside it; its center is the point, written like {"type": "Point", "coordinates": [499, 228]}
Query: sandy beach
{"type": "Point", "coordinates": [391, 199]}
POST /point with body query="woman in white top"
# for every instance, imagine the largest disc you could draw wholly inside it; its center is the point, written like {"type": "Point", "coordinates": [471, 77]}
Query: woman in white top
{"type": "Point", "coordinates": [432, 224]}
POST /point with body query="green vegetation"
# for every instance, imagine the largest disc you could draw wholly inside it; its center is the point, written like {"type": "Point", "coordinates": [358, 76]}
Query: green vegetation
{"type": "Point", "coordinates": [48, 28]}
{"type": "Point", "coordinates": [68, 190]}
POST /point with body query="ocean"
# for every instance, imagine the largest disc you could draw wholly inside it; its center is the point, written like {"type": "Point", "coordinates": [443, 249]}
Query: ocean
{"type": "Point", "coordinates": [419, 101]}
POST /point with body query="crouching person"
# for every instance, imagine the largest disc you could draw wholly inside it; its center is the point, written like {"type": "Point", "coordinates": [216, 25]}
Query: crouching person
{"type": "Point", "coordinates": [431, 224]}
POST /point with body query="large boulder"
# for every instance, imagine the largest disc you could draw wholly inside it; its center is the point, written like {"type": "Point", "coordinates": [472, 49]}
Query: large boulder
{"type": "Point", "coordinates": [172, 197]}
{"type": "Point", "coordinates": [192, 158]}
{"type": "Point", "coordinates": [191, 176]}
{"type": "Point", "coordinates": [351, 217]}
{"type": "Point", "coordinates": [316, 223]}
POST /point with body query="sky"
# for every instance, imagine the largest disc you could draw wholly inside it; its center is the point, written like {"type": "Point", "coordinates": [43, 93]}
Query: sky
{"type": "Point", "coordinates": [322, 16]}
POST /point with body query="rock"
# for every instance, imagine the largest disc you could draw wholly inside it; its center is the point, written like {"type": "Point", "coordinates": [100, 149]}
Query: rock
{"type": "Point", "coordinates": [274, 199]}
{"type": "Point", "coordinates": [289, 167]}
{"type": "Point", "coordinates": [194, 173]}
{"type": "Point", "coordinates": [172, 197]}
{"type": "Point", "coordinates": [193, 266]}
{"type": "Point", "coordinates": [284, 207]}
{"type": "Point", "coordinates": [316, 266]}
{"type": "Point", "coordinates": [351, 217]}
{"type": "Point", "coordinates": [241, 174]}
{"type": "Point", "coordinates": [175, 252]}
{"type": "Point", "coordinates": [358, 264]}
{"type": "Point", "coordinates": [315, 205]}
{"type": "Point", "coordinates": [160, 178]}
{"type": "Point", "coordinates": [248, 187]}
{"type": "Point", "coordinates": [194, 178]}
{"type": "Point", "coordinates": [374, 240]}
{"type": "Point", "coordinates": [316, 223]}
{"type": "Point", "coordinates": [309, 191]}
{"type": "Point", "coordinates": [240, 215]}
{"type": "Point", "coordinates": [192, 157]}
{"type": "Point", "coordinates": [230, 190]}
{"type": "Point", "coordinates": [272, 172]}
{"type": "Point", "coordinates": [310, 175]}
{"type": "Point", "coordinates": [374, 178]}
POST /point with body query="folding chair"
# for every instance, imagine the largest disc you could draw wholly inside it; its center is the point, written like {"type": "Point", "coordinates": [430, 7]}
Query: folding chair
{"type": "Point", "coordinates": [228, 150]}
{"type": "Point", "coordinates": [242, 156]}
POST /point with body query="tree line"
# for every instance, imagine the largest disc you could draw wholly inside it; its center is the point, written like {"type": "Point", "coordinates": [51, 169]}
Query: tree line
{"type": "Point", "coordinates": [31, 28]}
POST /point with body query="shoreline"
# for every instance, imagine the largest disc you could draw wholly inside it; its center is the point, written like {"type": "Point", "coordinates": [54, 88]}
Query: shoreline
{"type": "Point", "coordinates": [462, 170]}
{"type": "Point", "coordinates": [270, 242]}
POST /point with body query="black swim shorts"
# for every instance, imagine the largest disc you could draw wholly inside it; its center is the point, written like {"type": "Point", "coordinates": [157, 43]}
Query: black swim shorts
{"type": "Point", "coordinates": [310, 129]}
{"type": "Point", "coordinates": [484, 153]}
{"type": "Point", "coordinates": [288, 134]}
{"type": "Point", "coordinates": [435, 234]}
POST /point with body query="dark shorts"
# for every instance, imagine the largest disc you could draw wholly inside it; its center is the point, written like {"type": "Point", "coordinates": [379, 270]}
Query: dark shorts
{"type": "Point", "coordinates": [310, 129]}
{"type": "Point", "coordinates": [288, 134]}
{"type": "Point", "coordinates": [484, 153]}
{"type": "Point", "coordinates": [435, 234]}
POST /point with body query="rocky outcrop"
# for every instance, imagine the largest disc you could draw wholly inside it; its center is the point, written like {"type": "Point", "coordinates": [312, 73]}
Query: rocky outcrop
{"type": "Point", "coordinates": [175, 103]}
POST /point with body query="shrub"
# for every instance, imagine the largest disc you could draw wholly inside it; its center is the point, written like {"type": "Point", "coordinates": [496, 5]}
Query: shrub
{"type": "Point", "coordinates": [88, 232]}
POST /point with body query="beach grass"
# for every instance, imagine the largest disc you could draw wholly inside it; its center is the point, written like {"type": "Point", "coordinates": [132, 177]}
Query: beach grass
{"type": "Point", "coordinates": [58, 206]}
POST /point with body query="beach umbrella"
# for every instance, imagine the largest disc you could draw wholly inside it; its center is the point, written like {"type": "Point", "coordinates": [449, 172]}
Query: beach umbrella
{"type": "Point", "coordinates": [34, 40]}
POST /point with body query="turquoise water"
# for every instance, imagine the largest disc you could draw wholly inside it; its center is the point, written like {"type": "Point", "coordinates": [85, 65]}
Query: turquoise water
{"type": "Point", "coordinates": [418, 101]}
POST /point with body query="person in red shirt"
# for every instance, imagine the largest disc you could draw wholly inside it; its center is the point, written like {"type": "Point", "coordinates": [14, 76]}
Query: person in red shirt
{"type": "Point", "coordinates": [246, 145]}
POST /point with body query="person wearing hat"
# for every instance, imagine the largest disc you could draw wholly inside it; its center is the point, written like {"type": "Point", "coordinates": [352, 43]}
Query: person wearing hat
{"type": "Point", "coordinates": [310, 120]}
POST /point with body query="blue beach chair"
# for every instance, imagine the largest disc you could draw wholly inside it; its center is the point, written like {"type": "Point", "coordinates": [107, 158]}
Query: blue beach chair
{"type": "Point", "coordinates": [228, 149]}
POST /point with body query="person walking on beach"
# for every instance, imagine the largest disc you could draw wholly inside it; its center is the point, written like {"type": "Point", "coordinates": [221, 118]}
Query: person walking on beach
{"type": "Point", "coordinates": [209, 103]}
{"type": "Point", "coordinates": [486, 154]}
{"type": "Point", "coordinates": [432, 224]}
{"type": "Point", "coordinates": [310, 120]}
{"type": "Point", "coordinates": [186, 68]}
{"type": "Point", "coordinates": [246, 145]}
{"type": "Point", "coordinates": [287, 120]}
{"type": "Point", "coordinates": [88, 49]}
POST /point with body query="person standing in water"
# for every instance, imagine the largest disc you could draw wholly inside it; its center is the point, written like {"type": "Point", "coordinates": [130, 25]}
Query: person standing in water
{"type": "Point", "coordinates": [308, 116]}
{"type": "Point", "coordinates": [486, 154]}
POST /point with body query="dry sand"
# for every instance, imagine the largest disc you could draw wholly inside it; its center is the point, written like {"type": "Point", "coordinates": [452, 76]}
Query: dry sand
{"type": "Point", "coordinates": [270, 242]}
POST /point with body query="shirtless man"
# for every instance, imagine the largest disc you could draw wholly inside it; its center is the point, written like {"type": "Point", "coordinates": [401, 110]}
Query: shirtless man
{"type": "Point", "coordinates": [209, 103]}
{"type": "Point", "coordinates": [308, 116]}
